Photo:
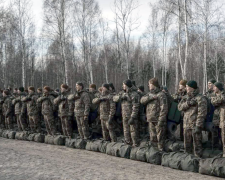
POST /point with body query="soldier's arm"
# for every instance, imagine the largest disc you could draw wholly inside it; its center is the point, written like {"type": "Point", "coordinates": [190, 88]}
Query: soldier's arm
{"type": "Point", "coordinates": [71, 107]}
{"type": "Point", "coordinates": [26, 99]}
{"type": "Point", "coordinates": [112, 107]}
{"type": "Point", "coordinates": [202, 111]}
{"type": "Point", "coordinates": [14, 101]}
{"type": "Point", "coordinates": [135, 106]}
{"type": "Point", "coordinates": [183, 105]}
{"type": "Point", "coordinates": [217, 101]}
{"type": "Point", "coordinates": [57, 101]}
{"type": "Point", "coordinates": [87, 104]}
{"type": "Point", "coordinates": [146, 99]}
{"type": "Point", "coordinates": [96, 100]}
{"type": "Point", "coordinates": [117, 98]}
{"type": "Point", "coordinates": [163, 107]}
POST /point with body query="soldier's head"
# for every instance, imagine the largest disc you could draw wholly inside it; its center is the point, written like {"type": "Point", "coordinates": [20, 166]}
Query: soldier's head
{"type": "Point", "coordinates": [111, 87]}
{"type": "Point", "coordinates": [127, 84]}
{"type": "Point", "coordinates": [92, 87]}
{"type": "Point", "coordinates": [39, 90]}
{"type": "Point", "coordinates": [64, 88]}
{"type": "Point", "coordinates": [79, 86]}
{"type": "Point", "coordinates": [191, 86]}
{"type": "Point", "coordinates": [218, 86]}
{"type": "Point", "coordinates": [141, 89]}
{"type": "Point", "coordinates": [20, 90]}
{"type": "Point", "coordinates": [211, 84]}
{"type": "Point", "coordinates": [5, 93]}
{"type": "Point", "coordinates": [31, 89]}
{"type": "Point", "coordinates": [105, 88]}
{"type": "Point", "coordinates": [182, 85]}
{"type": "Point", "coordinates": [153, 84]}
{"type": "Point", "coordinates": [47, 90]}
{"type": "Point", "coordinates": [15, 90]}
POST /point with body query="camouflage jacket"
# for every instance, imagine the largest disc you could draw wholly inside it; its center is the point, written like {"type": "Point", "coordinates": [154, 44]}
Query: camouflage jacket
{"type": "Point", "coordinates": [194, 107]}
{"type": "Point", "coordinates": [46, 104]}
{"type": "Point", "coordinates": [130, 102]}
{"type": "Point", "coordinates": [157, 109]}
{"type": "Point", "coordinates": [179, 95]}
{"type": "Point", "coordinates": [82, 103]}
{"type": "Point", "coordinates": [31, 102]}
{"type": "Point", "coordinates": [107, 107]}
{"type": "Point", "coordinates": [92, 96]}
{"type": "Point", "coordinates": [65, 106]}
{"type": "Point", "coordinates": [218, 101]}
{"type": "Point", "coordinates": [209, 94]}
{"type": "Point", "coordinates": [7, 106]}
{"type": "Point", "coordinates": [19, 105]}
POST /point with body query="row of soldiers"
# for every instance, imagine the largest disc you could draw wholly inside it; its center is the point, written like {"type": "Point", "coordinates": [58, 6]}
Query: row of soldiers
{"type": "Point", "coordinates": [156, 103]}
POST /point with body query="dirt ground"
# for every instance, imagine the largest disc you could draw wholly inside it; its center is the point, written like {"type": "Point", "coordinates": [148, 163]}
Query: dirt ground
{"type": "Point", "coordinates": [21, 160]}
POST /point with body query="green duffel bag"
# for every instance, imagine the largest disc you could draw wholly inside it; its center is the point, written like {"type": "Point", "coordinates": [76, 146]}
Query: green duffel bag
{"type": "Point", "coordinates": [1, 131]}
{"type": "Point", "coordinates": [59, 140]}
{"type": "Point", "coordinates": [70, 143]}
{"type": "Point", "coordinates": [22, 135]}
{"type": "Point", "coordinates": [124, 151]}
{"type": "Point", "coordinates": [88, 145]}
{"type": "Point", "coordinates": [109, 148]}
{"type": "Point", "coordinates": [116, 149]}
{"type": "Point", "coordinates": [133, 153]}
{"type": "Point", "coordinates": [5, 134]}
{"type": "Point", "coordinates": [103, 146]}
{"type": "Point", "coordinates": [11, 134]}
{"type": "Point", "coordinates": [39, 138]}
{"type": "Point", "coordinates": [141, 154]}
{"type": "Point", "coordinates": [154, 156]}
{"type": "Point", "coordinates": [171, 146]}
{"type": "Point", "coordinates": [96, 145]}
{"type": "Point", "coordinates": [49, 139]}
{"type": "Point", "coordinates": [80, 144]}
{"type": "Point", "coordinates": [209, 153]}
{"type": "Point", "coordinates": [212, 166]}
{"type": "Point", "coordinates": [31, 137]}
{"type": "Point", "coordinates": [190, 163]}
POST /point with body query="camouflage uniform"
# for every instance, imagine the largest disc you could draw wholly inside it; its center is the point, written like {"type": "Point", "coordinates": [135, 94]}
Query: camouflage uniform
{"type": "Point", "coordinates": [81, 111]}
{"type": "Point", "coordinates": [130, 109]}
{"type": "Point", "coordinates": [20, 111]}
{"type": "Point", "coordinates": [33, 112]}
{"type": "Point", "coordinates": [107, 111]}
{"type": "Point", "coordinates": [179, 95]}
{"type": "Point", "coordinates": [47, 109]}
{"type": "Point", "coordinates": [156, 111]}
{"type": "Point", "coordinates": [65, 112]}
{"type": "Point", "coordinates": [7, 108]}
{"type": "Point", "coordinates": [194, 107]}
{"type": "Point", "coordinates": [209, 94]}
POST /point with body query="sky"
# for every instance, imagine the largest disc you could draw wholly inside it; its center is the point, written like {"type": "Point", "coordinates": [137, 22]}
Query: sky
{"type": "Point", "coordinates": [106, 7]}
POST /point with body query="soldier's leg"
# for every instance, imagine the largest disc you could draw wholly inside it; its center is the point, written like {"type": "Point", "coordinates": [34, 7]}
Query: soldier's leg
{"type": "Point", "coordinates": [31, 123]}
{"type": "Point", "coordinates": [51, 123]}
{"type": "Point", "coordinates": [112, 132]}
{"type": "Point", "coordinates": [152, 131]}
{"type": "Point", "coordinates": [22, 119]}
{"type": "Point", "coordinates": [188, 140]}
{"type": "Point", "coordinates": [134, 133]}
{"type": "Point", "coordinates": [105, 132]}
{"type": "Point", "coordinates": [223, 139]}
{"type": "Point", "coordinates": [161, 136]}
{"type": "Point", "coordinates": [68, 125]}
{"type": "Point", "coordinates": [78, 119]}
{"type": "Point", "coordinates": [37, 123]}
{"type": "Point", "coordinates": [85, 127]}
{"type": "Point", "coordinates": [18, 122]}
{"type": "Point", "coordinates": [10, 122]}
{"type": "Point", "coordinates": [2, 121]}
{"type": "Point", "coordinates": [197, 142]}
{"type": "Point", "coordinates": [126, 130]}
{"type": "Point", "coordinates": [46, 124]}
{"type": "Point", "coordinates": [63, 125]}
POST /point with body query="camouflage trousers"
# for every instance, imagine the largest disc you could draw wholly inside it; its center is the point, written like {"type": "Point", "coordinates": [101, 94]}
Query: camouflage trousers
{"type": "Point", "coordinates": [131, 133]}
{"type": "Point", "coordinates": [66, 126]}
{"type": "Point", "coordinates": [223, 139]}
{"type": "Point", "coordinates": [157, 134]}
{"type": "Point", "coordinates": [193, 138]}
{"type": "Point", "coordinates": [35, 123]}
{"type": "Point", "coordinates": [21, 122]}
{"type": "Point", "coordinates": [50, 124]}
{"type": "Point", "coordinates": [83, 127]}
{"type": "Point", "coordinates": [2, 121]}
{"type": "Point", "coordinates": [8, 122]}
{"type": "Point", "coordinates": [108, 131]}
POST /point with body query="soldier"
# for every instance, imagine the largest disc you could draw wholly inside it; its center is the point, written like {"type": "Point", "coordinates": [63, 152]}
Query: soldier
{"type": "Point", "coordinates": [217, 101]}
{"type": "Point", "coordinates": [107, 112]}
{"type": "Point", "coordinates": [33, 111]}
{"type": "Point", "coordinates": [65, 110]}
{"type": "Point", "coordinates": [7, 109]}
{"type": "Point", "coordinates": [82, 110]}
{"type": "Point", "coordinates": [130, 107]}
{"type": "Point", "coordinates": [47, 109]}
{"type": "Point", "coordinates": [194, 107]}
{"type": "Point", "coordinates": [20, 110]}
{"type": "Point", "coordinates": [156, 112]}
{"type": "Point", "coordinates": [39, 92]}
{"type": "Point", "coordinates": [210, 93]}
{"type": "Point", "coordinates": [181, 91]}
{"type": "Point", "coordinates": [169, 97]}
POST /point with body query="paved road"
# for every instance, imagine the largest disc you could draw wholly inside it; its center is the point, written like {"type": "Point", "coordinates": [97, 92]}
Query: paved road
{"type": "Point", "coordinates": [21, 160]}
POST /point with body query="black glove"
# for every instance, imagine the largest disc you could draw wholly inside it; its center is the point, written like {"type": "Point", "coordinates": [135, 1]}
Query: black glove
{"type": "Point", "coordinates": [110, 120]}
{"type": "Point", "coordinates": [197, 130]}
{"type": "Point", "coordinates": [131, 121]}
